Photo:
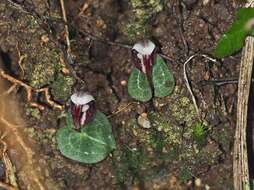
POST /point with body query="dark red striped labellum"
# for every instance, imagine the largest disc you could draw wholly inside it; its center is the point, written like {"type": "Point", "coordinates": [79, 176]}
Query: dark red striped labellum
{"type": "Point", "coordinates": [143, 56]}
{"type": "Point", "coordinates": [83, 109]}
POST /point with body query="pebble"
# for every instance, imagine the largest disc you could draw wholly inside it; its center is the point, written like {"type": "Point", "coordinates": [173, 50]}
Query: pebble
{"type": "Point", "coordinates": [143, 121]}
{"type": "Point", "coordinates": [205, 2]}
{"type": "Point", "coordinates": [198, 182]}
{"type": "Point", "coordinates": [123, 82]}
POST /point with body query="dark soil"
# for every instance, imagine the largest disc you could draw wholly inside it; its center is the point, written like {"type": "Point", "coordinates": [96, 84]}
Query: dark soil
{"type": "Point", "coordinates": [167, 156]}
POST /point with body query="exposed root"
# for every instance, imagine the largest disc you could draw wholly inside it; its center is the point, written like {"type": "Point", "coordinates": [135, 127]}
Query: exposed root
{"type": "Point", "coordinates": [10, 177]}
{"type": "Point", "coordinates": [27, 150]}
{"type": "Point", "coordinates": [20, 61]}
{"type": "Point", "coordinates": [30, 90]}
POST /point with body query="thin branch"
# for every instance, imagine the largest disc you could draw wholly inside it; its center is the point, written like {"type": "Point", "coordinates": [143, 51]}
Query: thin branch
{"type": "Point", "coordinates": [240, 155]}
{"type": "Point", "coordinates": [188, 83]}
{"type": "Point", "coordinates": [220, 82]}
{"type": "Point", "coordinates": [17, 6]}
{"type": "Point", "coordinates": [122, 109]}
{"type": "Point", "coordinates": [66, 27]}
{"type": "Point", "coordinates": [96, 38]}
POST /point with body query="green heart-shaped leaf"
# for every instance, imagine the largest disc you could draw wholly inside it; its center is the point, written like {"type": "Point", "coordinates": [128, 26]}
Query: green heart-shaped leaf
{"type": "Point", "coordinates": [138, 86]}
{"type": "Point", "coordinates": [233, 40]}
{"type": "Point", "coordinates": [163, 79]}
{"type": "Point", "coordinates": [91, 145]}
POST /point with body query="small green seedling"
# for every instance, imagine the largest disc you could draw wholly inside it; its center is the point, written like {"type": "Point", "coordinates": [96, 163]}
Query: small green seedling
{"type": "Point", "coordinates": [233, 40]}
{"type": "Point", "coordinates": [151, 76]}
{"type": "Point", "coordinates": [87, 137]}
{"type": "Point", "coordinates": [199, 133]}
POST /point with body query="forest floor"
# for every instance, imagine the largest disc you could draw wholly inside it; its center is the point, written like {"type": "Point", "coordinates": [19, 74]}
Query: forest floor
{"type": "Point", "coordinates": [175, 153]}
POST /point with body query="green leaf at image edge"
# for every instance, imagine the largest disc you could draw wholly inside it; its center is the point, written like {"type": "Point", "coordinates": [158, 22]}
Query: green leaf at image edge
{"type": "Point", "coordinates": [233, 40]}
{"type": "Point", "coordinates": [91, 145]}
{"type": "Point", "coordinates": [163, 79]}
{"type": "Point", "coordinates": [138, 86]}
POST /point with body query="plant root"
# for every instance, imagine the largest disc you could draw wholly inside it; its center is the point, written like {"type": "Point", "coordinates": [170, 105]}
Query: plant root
{"type": "Point", "coordinates": [30, 90]}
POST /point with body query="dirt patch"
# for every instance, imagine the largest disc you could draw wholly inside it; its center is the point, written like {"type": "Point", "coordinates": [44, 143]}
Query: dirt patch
{"type": "Point", "coordinates": [176, 153]}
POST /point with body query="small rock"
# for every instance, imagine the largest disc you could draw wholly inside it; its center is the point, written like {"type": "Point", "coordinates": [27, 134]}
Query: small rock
{"type": "Point", "coordinates": [198, 182]}
{"type": "Point", "coordinates": [123, 82]}
{"type": "Point", "coordinates": [144, 115]}
{"type": "Point", "coordinates": [205, 2]}
{"type": "Point", "coordinates": [143, 121]}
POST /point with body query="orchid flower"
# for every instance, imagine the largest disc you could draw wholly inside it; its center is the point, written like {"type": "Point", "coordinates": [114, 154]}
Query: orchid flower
{"type": "Point", "coordinates": [82, 108]}
{"type": "Point", "coordinates": [143, 55]}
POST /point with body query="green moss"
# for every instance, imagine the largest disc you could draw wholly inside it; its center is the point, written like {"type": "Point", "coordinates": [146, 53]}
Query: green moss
{"type": "Point", "coordinates": [143, 10]}
{"type": "Point", "coordinates": [224, 135]}
{"type": "Point", "coordinates": [31, 22]}
{"type": "Point", "coordinates": [34, 112]}
{"type": "Point", "coordinates": [61, 87]}
{"type": "Point", "coordinates": [184, 111]}
{"type": "Point", "coordinates": [158, 140]}
{"type": "Point", "coordinates": [185, 174]}
{"type": "Point", "coordinates": [133, 30]}
{"type": "Point", "coordinates": [44, 68]}
{"type": "Point", "coordinates": [171, 132]}
{"type": "Point", "coordinates": [199, 134]}
{"type": "Point", "coordinates": [46, 136]}
{"type": "Point", "coordinates": [155, 5]}
{"type": "Point", "coordinates": [127, 163]}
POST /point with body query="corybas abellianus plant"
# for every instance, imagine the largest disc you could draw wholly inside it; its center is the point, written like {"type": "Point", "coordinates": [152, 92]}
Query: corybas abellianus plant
{"type": "Point", "coordinates": [151, 76]}
{"type": "Point", "coordinates": [87, 136]}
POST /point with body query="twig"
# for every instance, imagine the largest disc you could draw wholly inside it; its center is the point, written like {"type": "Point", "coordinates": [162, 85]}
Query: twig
{"type": "Point", "coordinates": [30, 91]}
{"type": "Point", "coordinates": [21, 59]}
{"type": "Point", "coordinates": [17, 6]}
{"type": "Point", "coordinates": [187, 79]}
{"type": "Point", "coordinates": [83, 9]}
{"type": "Point", "coordinates": [122, 109]}
{"type": "Point", "coordinates": [240, 156]}
{"type": "Point", "coordinates": [220, 82]}
{"type": "Point", "coordinates": [96, 38]}
{"type": "Point", "coordinates": [179, 21]}
{"type": "Point", "coordinates": [167, 57]}
{"type": "Point", "coordinates": [66, 27]}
